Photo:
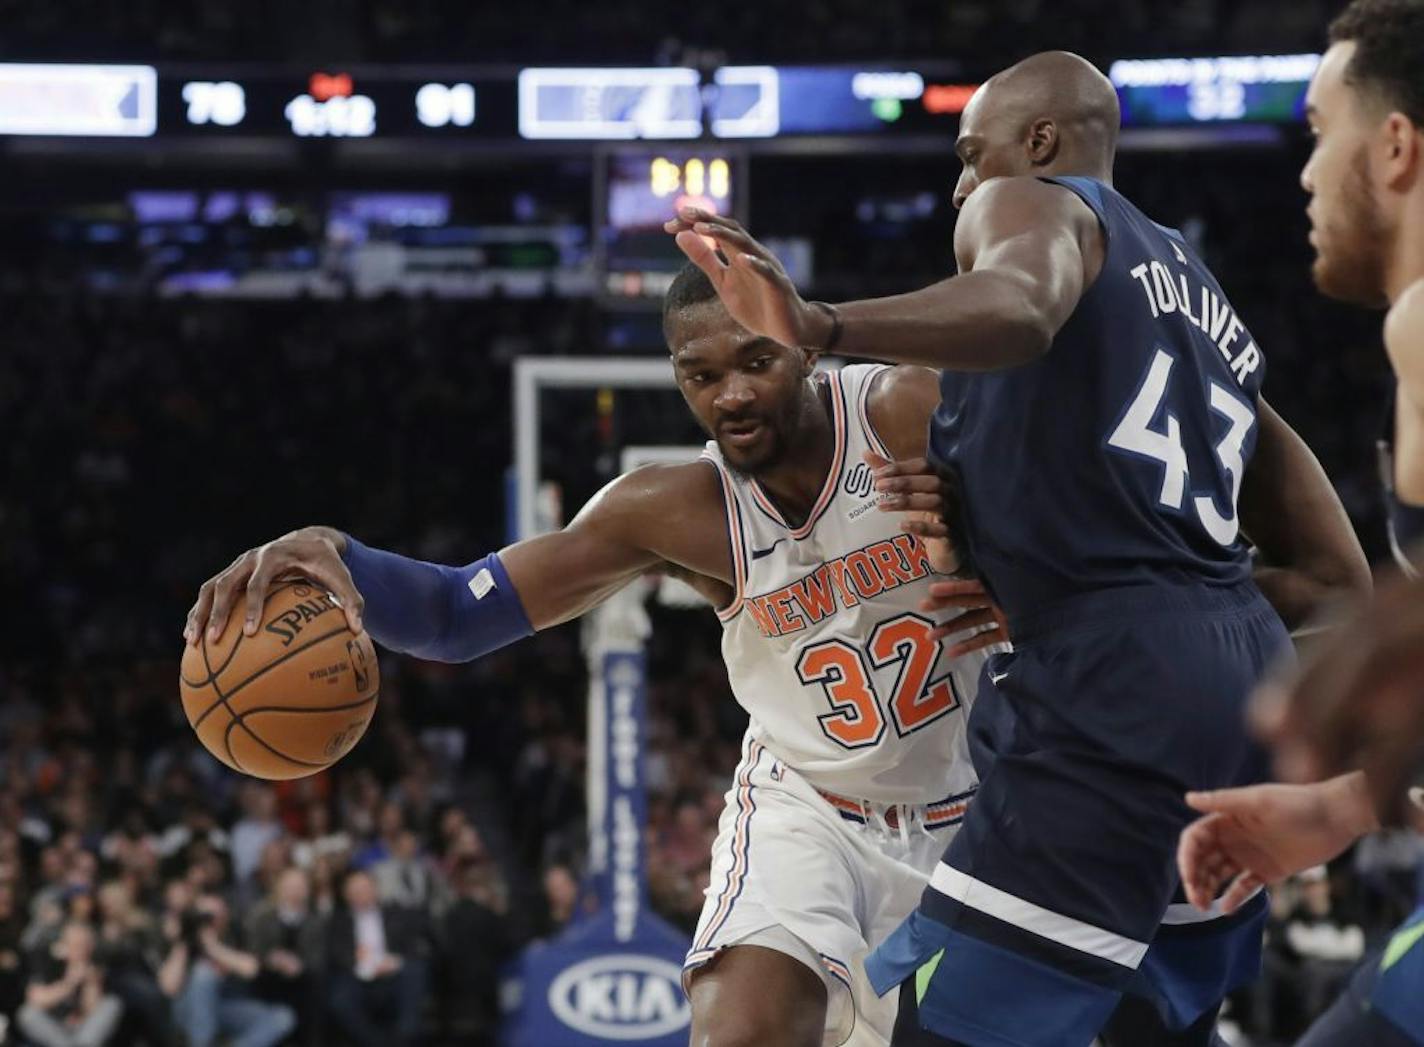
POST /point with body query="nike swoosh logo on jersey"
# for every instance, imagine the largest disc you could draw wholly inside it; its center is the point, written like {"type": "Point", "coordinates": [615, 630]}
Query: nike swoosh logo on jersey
{"type": "Point", "coordinates": [757, 554]}
{"type": "Point", "coordinates": [994, 678]}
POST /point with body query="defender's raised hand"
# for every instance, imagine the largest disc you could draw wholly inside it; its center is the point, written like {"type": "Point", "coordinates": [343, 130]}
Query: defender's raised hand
{"type": "Point", "coordinates": [312, 552]}
{"type": "Point", "coordinates": [750, 280]}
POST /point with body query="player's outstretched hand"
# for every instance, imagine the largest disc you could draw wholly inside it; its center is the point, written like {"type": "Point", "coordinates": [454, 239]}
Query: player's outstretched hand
{"type": "Point", "coordinates": [312, 552]}
{"type": "Point", "coordinates": [1261, 834]}
{"type": "Point", "coordinates": [1357, 703]}
{"type": "Point", "coordinates": [749, 279]}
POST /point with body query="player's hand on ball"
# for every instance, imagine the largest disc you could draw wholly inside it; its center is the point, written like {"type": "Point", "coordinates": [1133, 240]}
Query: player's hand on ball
{"type": "Point", "coordinates": [312, 552]}
{"type": "Point", "coordinates": [1261, 834]}
{"type": "Point", "coordinates": [749, 279]}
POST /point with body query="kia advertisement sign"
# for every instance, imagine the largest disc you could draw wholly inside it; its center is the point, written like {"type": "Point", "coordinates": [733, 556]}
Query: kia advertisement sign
{"type": "Point", "coordinates": [621, 997]}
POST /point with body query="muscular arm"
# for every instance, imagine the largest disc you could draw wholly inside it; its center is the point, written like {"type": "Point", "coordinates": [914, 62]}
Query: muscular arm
{"type": "Point", "coordinates": [654, 515]}
{"type": "Point", "coordinates": [1309, 554]}
{"type": "Point", "coordinates": [1026, 251]}
{"type": "Point", "coordinates": [657, 514]}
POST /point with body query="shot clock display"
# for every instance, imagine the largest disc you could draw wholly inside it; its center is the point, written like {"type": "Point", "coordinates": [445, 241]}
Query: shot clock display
{"type": "Point", "coordinates": [639, 190]}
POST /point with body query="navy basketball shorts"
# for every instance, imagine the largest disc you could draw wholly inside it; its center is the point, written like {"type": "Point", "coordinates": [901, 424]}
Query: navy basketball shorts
{"type": "Point", "coordinates": [1060, 893]}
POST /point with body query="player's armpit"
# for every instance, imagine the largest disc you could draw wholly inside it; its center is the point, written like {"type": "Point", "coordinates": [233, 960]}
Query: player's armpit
{"type": "Point", "coordinates": [1309, 556]}
{"type": "Point", "coordinates": [651, 516]}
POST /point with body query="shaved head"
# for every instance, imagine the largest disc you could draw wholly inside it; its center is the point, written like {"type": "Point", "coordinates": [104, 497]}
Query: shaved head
{"type": "Point", "coordinates": [1053, 113]}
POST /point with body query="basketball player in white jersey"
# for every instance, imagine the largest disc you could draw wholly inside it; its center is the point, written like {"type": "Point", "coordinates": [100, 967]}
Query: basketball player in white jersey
{"type": "Point", "coordinates": [855, 769]}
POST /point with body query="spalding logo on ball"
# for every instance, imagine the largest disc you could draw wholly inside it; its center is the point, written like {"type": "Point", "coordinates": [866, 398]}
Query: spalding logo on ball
{"type": "Point", "coordinates": [290, 700]}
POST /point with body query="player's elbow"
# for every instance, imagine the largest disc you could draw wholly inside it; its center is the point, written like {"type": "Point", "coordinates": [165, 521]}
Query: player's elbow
{"type": "Point", "coordinates": [1346, 577]}
{"type": "Point", "coordinates": [1027, 335]}
{"type": "Point", "coordinates": [1331, 588]}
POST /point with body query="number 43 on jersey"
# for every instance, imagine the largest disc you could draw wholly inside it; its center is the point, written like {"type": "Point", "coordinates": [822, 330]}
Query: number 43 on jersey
{"type": "Point", "coordinates": [1134, 436]}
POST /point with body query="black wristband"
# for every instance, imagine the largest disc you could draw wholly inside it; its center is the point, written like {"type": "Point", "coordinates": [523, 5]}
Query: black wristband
{"type": "Point", "coordinates": [833, 339]}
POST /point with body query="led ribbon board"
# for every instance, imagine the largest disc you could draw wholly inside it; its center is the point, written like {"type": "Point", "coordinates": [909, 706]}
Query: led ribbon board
{"type": "Point", "coordinates": [94, 100]}
{"type": "Point", "coordinates": [1164, 92]}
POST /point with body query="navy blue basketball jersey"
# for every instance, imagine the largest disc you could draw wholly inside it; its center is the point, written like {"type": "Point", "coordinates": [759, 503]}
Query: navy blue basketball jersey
{"type": "Point", "coordinates": [1115, 459]}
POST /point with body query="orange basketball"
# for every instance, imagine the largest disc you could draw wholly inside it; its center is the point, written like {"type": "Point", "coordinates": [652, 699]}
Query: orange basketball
{"type": "Point", "coordinates": [290, 700]}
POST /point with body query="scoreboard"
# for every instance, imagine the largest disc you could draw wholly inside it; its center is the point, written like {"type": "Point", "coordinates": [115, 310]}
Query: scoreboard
{"type": "Point", "coordinates": [588, 104]}
{"type": "Point", "coordinates": [142, 101]}
{"type": "Point", "coordinates": [337, 103]}
{"type": "Point", "coordinates": [1158, 92]}
{"type": "Point", "coordinates": [548, 104]}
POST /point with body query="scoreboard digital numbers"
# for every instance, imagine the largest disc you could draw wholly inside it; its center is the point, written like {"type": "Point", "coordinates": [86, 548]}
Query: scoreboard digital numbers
{"type": "Point", "coordinates": [642, 189]}
{"type": "Point", "coordinates": [221, 102]}
{"type": "Point", "coordinates": [341, 104]}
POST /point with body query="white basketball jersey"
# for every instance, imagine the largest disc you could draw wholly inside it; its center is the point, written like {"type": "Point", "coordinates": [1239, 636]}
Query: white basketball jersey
{"type": "Point", "coordinates": [825, 644]}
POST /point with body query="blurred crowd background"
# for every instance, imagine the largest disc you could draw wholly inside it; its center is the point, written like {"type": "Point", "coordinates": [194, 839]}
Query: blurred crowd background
{"type": "Point", "coordinates": [149, 896]}
{"type": "Point", "coordinates": [564, 31]}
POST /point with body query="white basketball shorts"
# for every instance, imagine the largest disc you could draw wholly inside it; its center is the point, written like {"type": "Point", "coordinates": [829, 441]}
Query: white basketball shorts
{"type": "Point", "coordinates": [819, 877]}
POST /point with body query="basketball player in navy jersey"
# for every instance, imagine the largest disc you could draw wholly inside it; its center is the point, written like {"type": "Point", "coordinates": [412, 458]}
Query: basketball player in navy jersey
{"type": "Point", "coordinates": [1102, 431]}
{"type": "Point", "coordinates": [1355, 717]}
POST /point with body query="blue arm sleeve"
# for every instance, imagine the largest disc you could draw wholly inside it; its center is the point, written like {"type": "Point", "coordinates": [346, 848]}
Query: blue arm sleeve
{"type": "Point", "coordinates": [443, 614]}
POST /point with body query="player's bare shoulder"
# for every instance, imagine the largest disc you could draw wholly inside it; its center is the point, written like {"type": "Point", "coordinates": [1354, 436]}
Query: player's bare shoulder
{"type": "Point", "coordinates": [898, 407]}
{"type": "Point", "coordinates": [1007, 207]}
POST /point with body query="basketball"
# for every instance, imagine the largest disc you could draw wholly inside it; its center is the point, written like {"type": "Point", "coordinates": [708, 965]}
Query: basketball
{"type": "Point", "coordinates": [291, 699]}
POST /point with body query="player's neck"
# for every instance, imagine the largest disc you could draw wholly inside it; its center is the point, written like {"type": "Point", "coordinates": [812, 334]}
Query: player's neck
{"type": "Point", "coordinates": [795, 483]}
{"type": "Point", "coordinates": [1406, 260]}
{"type": "Point", "coordinates": [1071, 167]}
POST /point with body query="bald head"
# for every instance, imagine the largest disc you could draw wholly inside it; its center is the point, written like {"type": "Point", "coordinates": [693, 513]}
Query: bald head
{"type": "Point", "coordinates": [1053, 113]}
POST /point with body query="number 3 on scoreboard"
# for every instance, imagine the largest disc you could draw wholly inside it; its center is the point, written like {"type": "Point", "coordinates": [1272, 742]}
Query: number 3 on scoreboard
{"type": "Point", "coordinates": [856, 719]}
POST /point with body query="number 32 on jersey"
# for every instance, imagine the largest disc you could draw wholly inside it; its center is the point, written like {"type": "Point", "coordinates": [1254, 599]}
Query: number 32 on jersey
{"type": "Point", "coordinates": [857, 718]}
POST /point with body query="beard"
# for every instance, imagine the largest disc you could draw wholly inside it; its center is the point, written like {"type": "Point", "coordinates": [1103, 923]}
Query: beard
{"type": "Point", "coordinates": [1350, 250]}
{"type": "Point", "coordinates": [781, 432]}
